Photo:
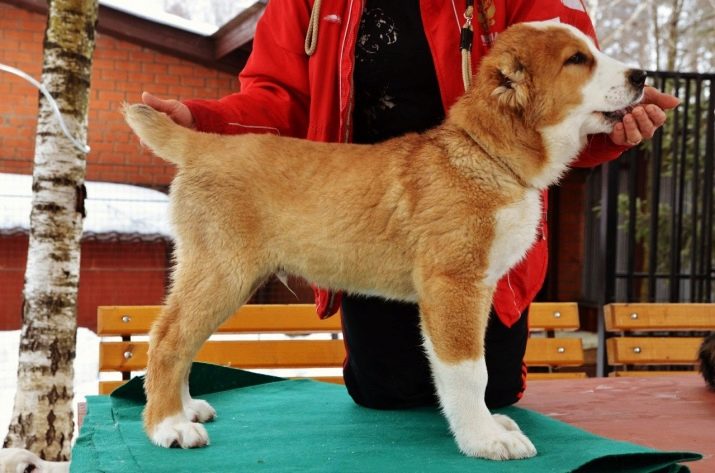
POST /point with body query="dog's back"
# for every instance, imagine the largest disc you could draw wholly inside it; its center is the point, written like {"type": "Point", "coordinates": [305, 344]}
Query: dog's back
{"type": "Point", "coordinates": [364, 209]}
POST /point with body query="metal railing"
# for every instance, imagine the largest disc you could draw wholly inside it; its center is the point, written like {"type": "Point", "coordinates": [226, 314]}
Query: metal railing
{"type": "Point", "coordinates": [650, 226]}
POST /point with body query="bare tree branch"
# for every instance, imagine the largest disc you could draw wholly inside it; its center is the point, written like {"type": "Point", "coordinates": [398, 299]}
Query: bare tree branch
{"type": "Point", "coordinates": [626, 25]}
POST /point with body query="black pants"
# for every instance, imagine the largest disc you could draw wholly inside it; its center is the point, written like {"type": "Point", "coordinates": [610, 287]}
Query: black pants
{"type": "Point", "coordinates": [387, 367]}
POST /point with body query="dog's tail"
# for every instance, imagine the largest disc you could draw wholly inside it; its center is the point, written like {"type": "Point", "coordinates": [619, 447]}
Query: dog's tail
{"type": "Point", "coordinates": [157, 131]}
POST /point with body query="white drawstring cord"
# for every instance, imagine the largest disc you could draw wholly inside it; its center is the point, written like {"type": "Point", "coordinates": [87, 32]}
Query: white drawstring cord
{"type": "Point", "coordinates": [311, 36]}
{"type": "Point", "coordinates": [81, 146]}
{"type": "Point", "coordinates": [466, 47]}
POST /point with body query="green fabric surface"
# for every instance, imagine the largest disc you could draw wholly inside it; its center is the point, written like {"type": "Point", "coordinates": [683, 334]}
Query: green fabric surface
{"type": "Point", "coordinates": [273, 425]}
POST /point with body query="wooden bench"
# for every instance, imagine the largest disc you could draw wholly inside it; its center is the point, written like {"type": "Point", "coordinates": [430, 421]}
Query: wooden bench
{"type": "Point", "coordinates": [654, 339]}
{"type": "Point", "coordinates": [550, 354]}
{"type": "Point", "coordinates": [123, 346]}
{"type": "Point", "coordinates": [251, 321]}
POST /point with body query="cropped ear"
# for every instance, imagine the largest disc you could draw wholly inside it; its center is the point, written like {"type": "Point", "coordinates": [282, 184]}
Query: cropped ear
{"type": "Point", "coordinates": [512, 91]}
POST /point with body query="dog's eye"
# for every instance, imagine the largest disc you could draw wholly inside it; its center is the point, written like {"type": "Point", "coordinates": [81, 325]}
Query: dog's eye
{"type": "Point", "coordinates": [578, 58]}
{"type": "Point", "coordinates": [29, 469]}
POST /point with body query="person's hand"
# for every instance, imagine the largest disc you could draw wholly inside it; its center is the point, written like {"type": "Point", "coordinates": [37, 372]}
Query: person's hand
{"type": "Point", "coordinates": [645, 118]}
{"type": "Point", "coordinates": [176, 110]}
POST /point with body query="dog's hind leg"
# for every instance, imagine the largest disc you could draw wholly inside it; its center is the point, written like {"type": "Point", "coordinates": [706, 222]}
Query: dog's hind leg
{"type": "Point", "coordinates": [454, 311]}
{"type": "Point", "coordinates": [204, 294]}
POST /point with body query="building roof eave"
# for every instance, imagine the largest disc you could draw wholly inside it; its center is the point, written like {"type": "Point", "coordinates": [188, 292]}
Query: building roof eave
{"type": "Point", "coordinates": [225, 50]}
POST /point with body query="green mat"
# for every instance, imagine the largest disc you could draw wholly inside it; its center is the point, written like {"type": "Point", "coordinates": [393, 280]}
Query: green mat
{"type": "Point", "coordinates": [275, 425]}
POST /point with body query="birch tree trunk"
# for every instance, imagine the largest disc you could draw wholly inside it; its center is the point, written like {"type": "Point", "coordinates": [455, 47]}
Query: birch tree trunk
{"type": "Point", "coordinates": [42, 419]}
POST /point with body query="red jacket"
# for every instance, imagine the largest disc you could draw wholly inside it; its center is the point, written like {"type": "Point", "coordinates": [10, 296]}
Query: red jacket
{"type": "Point", "coordinates": [286, 92]}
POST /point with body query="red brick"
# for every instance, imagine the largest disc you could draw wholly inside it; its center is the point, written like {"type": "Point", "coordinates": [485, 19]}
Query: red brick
{"type": "Point", "coordinates": [141, 55]}
{"type": "Point", "coordinates": [115, 74]}
{"type": "Point", "coordinates": [193, 81]}
{"type": "Point", "coordinates": [110, 157]}
{"type": "Point", "coordinates": [182, 92]}
{"type": "Point", "coordinates": [120, 71]}
{"type": "Point", "coordinates": [181, 69]}
{"type": "Point", "coordinates": [155, 68]}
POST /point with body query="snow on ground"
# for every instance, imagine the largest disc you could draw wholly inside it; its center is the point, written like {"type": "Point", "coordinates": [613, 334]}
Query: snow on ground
{"type": "Point", "coordinates": [86, 366]}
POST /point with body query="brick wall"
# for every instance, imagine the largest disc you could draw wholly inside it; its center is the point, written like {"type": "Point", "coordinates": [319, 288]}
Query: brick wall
{"type": "Point", "coordinates": [111, 273]}
{"type": "Point", "coordinates": [120, 72]}
{"type": "Point", "coordinates": [570, 250]}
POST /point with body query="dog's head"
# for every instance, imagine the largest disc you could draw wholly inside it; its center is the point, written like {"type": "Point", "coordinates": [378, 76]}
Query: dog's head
{"type": "Point", "coordinates": [550, 72]}
{"type": "Point", "coordinates": [553, 84]}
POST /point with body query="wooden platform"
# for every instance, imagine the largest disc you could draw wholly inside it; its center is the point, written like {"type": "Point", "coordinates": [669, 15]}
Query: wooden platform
{"type": "Point", "coordinates": [668, 413]}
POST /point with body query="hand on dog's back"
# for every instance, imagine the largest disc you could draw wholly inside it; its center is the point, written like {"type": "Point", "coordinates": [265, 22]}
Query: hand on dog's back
{"type": "Point", "coordinates": [176, 110]}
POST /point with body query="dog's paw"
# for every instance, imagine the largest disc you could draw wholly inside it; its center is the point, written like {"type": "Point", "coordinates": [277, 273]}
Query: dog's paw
{"type": "Point", "coordinates": [497, 438]}
{"type": "Point", "coordinates": [178, 431]}
{"type": "Point", "coordinates": [498, 443]}
{"type": "Point", "coordinates": [506, 422]}
{"type": "Point", "coordinates": [198, 410]}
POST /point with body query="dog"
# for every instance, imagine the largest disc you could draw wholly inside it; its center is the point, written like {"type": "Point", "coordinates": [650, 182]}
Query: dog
{"type": "Point", "coordinates": [435, 218]}
{"type": "Point", "coordinates": [706, 355]}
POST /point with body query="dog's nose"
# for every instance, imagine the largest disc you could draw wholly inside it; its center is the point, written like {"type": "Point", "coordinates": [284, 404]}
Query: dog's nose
{"type": "Point", "coordinates": [637, 78]}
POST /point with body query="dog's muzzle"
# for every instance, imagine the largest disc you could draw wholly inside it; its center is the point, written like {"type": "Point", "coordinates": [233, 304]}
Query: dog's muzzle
{"type": "Point", "coordinates": [636, 80]}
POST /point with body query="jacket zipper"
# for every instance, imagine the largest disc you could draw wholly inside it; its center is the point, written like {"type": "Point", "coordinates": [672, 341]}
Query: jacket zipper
{"type": "Point", "coordinates": [350, 104]}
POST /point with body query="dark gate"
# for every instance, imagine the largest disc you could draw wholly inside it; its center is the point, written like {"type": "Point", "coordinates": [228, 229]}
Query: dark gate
{"type": "Point", "coordinates": [650, 225]}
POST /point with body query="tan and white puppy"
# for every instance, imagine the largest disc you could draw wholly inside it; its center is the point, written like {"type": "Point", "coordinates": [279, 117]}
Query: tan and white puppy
{"type": "Point", "coordinates": [436, 218]}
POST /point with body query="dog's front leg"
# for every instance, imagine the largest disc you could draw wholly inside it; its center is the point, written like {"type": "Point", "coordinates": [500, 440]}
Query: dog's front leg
{"type": "Point", "coordinates": [454, 319]}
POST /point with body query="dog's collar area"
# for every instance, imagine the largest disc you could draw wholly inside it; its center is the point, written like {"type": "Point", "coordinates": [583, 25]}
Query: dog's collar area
{"type": "Point", "coordinates": [500, 162]}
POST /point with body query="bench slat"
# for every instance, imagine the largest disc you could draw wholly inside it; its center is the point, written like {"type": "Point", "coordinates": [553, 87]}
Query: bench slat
{"type": "Point", "coordinates": [557, 375]}
{"type": "Point", "coordinates": [252, 318]}
{"type": "Point", "coordinates": [652, 350]}
{"type": "Point", "coordinates": [241, 354]}
{"type": "Point", "coordinates": [128, 321]}
{"type": "Point", "coordinates": [106, 387]}
{"type": "Point", "coordinates": [553, 316]}
{"type": "Point", "coordinates": [553, 351]}
{"type": "Point", "coordinates": [656, 316]}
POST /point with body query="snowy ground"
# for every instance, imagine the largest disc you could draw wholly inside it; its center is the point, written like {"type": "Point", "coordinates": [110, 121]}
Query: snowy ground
{"type": "Point", "coordinates": [86, 364]}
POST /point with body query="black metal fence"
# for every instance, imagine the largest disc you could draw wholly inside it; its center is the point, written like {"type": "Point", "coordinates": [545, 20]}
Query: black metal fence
{"type": "Point", "coordinates": [650, 228]}
{"type": "Point", "coordinates": [651, 224]}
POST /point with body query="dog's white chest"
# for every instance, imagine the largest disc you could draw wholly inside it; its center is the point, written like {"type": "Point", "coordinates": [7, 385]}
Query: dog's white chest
{"type": "Point", "coordinates": [515, 232]}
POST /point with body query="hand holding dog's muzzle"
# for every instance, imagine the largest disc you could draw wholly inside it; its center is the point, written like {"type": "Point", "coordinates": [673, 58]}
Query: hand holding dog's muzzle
{"type": "Point", "coordinates": [645, 119]}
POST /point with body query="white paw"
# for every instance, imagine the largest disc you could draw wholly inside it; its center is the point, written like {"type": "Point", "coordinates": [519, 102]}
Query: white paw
{"type": "Point", "coordinates": [498, 440]}
{"type": "Point", "coordinates": [177, 431]}
{"type": "Point", "coordinates": [506, 422]}
{"type": "Point", "coordinates": [499, 445]}
{"type": "Point", "coordinates": [198, 410]}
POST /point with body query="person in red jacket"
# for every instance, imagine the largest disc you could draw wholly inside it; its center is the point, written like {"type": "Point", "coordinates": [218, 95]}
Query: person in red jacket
{"type": "Point", "coordinates": [375, 70]}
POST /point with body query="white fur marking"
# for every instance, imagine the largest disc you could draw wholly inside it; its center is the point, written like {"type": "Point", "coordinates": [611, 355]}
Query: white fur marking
{"type": "Point", "coordinates": [178, 430]}
{"type": "Point", "coordinates": [514, 234]}
{"type": "Point", "coordinates": [461, 387]}
{"type": "Point", "coordinates": [196, 410]}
